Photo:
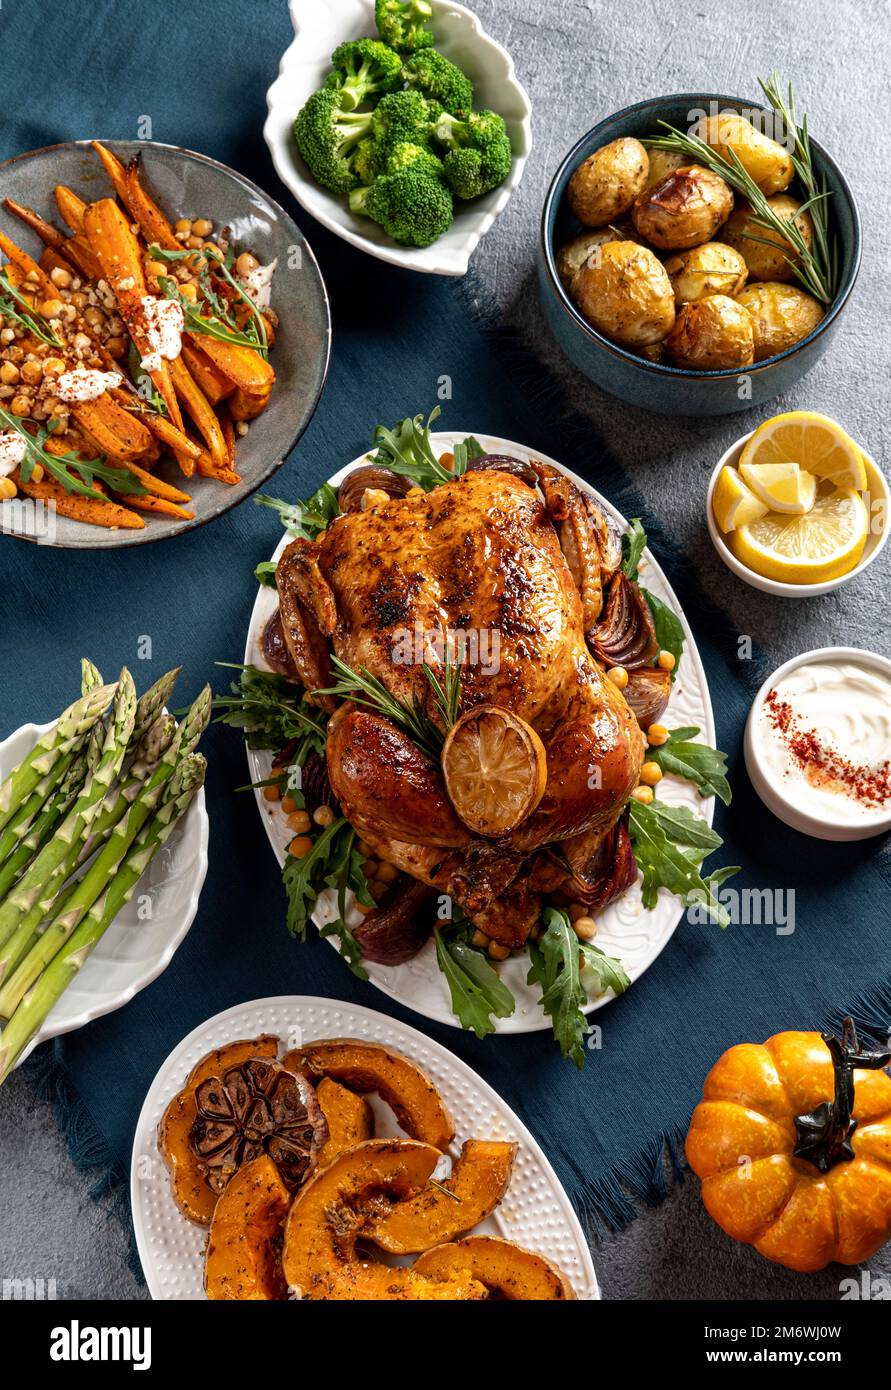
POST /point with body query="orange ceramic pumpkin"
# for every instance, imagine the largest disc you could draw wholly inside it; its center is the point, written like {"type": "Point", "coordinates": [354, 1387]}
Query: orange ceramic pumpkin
{"type": "Point", "coordinates": [792, 1141]}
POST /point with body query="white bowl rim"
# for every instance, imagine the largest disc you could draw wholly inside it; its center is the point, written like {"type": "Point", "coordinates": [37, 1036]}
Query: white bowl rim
{"type": "Point", "coordinates": [797, 818]}
{"type": "Point", "coordinates": [393, 254]}
{"type": "Point", "coordinates": [778, 586]}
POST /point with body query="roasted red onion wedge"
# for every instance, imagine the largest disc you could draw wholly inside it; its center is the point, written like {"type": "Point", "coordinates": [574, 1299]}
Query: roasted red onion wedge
{"type": "Point", "coordinates": [394, 933]}
{"type": "Point", "coordinates": [354, 485]}
{"type": "Point", "coordinates": [648, 692]}
{"type": "Point", "coordinates": [504, 463]}
{"type": "Point", "coordinates": [276, 651]}
{"type": "Point", "coordinates": [625, 635]}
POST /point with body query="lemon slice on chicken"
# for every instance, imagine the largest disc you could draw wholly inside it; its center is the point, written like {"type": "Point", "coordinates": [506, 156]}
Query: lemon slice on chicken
{"type": "Point", "coordinates": [816, 443]}
{"type": "Point", "coordinates": [824, 543]}
{"type": "Point", "coordinates": [783, 487]}
{"type": "Point", "coordinates": [495, 769]}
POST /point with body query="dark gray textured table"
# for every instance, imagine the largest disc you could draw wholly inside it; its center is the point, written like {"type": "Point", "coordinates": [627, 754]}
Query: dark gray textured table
{"type": "Point", "coordinates": [580, 60]}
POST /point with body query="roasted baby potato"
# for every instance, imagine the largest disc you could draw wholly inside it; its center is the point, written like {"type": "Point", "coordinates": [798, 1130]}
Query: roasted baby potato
{"type": "Point", "coordinates": [684, 210]}
{"type": "Point", "coordinates": [712, 333]}
{"type": "Point", "coordinates": [781, 315]}
{"type": "Point", "coordinates": [605, 185]}
{"type": "Point", "coordinates": [711, 268]}
{"type": "Point", "coordinates": [748, 237]}
{"type": "Point", "coordinates": [768, 163]}
{"type": "Point", "coordinates": [626, 294]}
{"type": "Point", "coordinates": [663, 163]}
{"type": "Point", "coordinates": [573, 254]}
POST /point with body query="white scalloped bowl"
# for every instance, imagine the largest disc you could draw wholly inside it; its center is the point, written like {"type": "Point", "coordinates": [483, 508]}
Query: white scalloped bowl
{"type": "Point", "coordinates": [136, 948]}
{"type": "Point", "coordinates": [319, 26]}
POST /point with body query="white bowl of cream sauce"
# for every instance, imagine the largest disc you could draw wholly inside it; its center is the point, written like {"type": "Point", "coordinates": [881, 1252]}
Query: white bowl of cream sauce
{"type": "Point", "coordinates": [818, 743]}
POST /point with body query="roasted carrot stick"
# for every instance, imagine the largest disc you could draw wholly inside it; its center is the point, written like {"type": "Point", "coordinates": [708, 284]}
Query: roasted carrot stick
{"type": "Point", "coordinates": [155, 486]}
{"type": "Point", "coordinates": [145, 212]}
{"type": "Point", "coordinates": [71, 207]}
{"type": "Point", "coordinates": [115, 431]}
{"type": "Point", "coordinates": [214, 383]}
{"type": "Point", "coordinates": [151, 503]}
{"type": "Point", "coordinates": [244, 367]}
{"type": "Point", "coordinates": [114, 169]}
{"type": "Point", "coordinates": [176, 440]}
{"type": "Point", "coordinates": [109, 514]}
{"type": "Point", "coordinates": [199, 408]}
{"type": "Point", "coordinates": [228, 429]}
{"type": "Point", "coordinates": [26, 264]}
{"type": "Point", "coordinates": [247, 405]}
{"type": "Point", "coordinates": [222, 475]}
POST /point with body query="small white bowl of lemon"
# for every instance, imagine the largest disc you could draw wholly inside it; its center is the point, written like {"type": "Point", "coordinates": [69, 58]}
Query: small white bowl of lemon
{"type": "Point", "coordinates": [796, 507]}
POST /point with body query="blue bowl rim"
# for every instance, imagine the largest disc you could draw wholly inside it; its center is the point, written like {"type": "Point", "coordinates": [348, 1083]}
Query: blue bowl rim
{"type": "Point", "coordinates": [661, 368]}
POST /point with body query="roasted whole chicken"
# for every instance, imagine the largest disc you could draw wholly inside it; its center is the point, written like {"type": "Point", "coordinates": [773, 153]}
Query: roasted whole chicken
{"type": "Point", "coordinates": [519, 557]}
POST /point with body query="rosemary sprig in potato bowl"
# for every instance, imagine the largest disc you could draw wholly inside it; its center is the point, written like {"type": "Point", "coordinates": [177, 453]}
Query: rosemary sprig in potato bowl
{"type": "Point", "coordinates": [461, 684]}
{"type": "Point", "coordinates": [137, 341]}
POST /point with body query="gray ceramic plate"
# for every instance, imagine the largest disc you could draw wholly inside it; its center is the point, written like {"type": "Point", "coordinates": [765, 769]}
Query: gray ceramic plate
{"type": "Point", "coordinates": [191, 185]}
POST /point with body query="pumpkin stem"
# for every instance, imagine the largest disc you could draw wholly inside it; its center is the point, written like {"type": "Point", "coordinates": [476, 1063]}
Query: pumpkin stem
{"type": "Point", "coordinates": [824, 1136]}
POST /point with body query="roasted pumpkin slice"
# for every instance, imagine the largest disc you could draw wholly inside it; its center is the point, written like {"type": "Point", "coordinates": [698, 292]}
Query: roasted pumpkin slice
{"type": "Point", "coordinates": [349, 1117]}
{"type": "Point", "coordinates": [329, 1214]}
{"type": "Point", "coordinates": [192, 1193]}
{"type": "Point", "coordinates": [365, 1067]}
{"type": "Point", "coordinates": [507, 1270]}
{"type": "Point", "coordinates": [244, 1246]}
{"type": "Point", "coordinates": [442, 1211]}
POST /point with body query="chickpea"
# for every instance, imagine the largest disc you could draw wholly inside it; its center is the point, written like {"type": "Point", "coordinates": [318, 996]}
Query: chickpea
{"type": "Point", "coordinates": [189, 291]}
{"type": "Point", "coordinates": [241, 429]}
{"type": "Point", "coordinates": [272, 793]}
{"type": "Point", "coordinates": [496, 951]}
{"type": "Point", "coordinates": [650, 774]}
{"type": "Point", "coordinates": [643, 794]}
{"type": "Point", "coordinates": [9, 373]}
{"type": "Point", "coordinates": [183, 227]}
{"type": "Point", "coordinates": [32, 371]}
{"type": "Point", "coordinates": [323, 816]}
{"type": "Point", "coordinates": [60, 277]}
{"type": "Point", "coordinates": [6, 336]}
{"type": "Point", "coordinates": [618, 675]}
{"type": "Point", "coordinates": [20, 405]}
{"type": "Point", "coordinates": [7, 489]}
{"type": "Point", "coordinates": [585, 928]}
{"type": "Point", "coordinates": [37, 473]}
{"type": "Point", "coordinates": [657, 734]}
{"type": "Point", "coordinates": [299, 821]}
{"type": "Point", "coordinates": [194, 243]}
{"type": "Point", "coordinates": [117, 346]}
{"type": "Point", "coordinates": [51, 308]}
{"type": "Point", "coordinates": [666, 661]}
{"type": "Point", "coordinates": [53, 366]}
{"type": "Point", "coordinates": [201, 227]}
{"type": "Point", "coordinates": [300, 846]}
{"type": "Point", "coordinates": [79, 300]}
{"type": "Point", "coordinates": [93, 317]}
{"type": "Point", "coordinates": [479, 939]}
{"type": "Point", "coordinates": [289, 805]}
{"type": "Point", "coordinates": [246, 263]}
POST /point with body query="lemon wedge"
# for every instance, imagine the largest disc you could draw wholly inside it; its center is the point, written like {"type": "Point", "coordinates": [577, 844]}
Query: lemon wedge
{"type": "Point", "coordinates": [814, 442]}
{"type": "Point", "coordinates": [824, 543]}
{"type": "Point", "coordinates": [733, 503]}
{"type": "Point", "coordinates": [783, 487]}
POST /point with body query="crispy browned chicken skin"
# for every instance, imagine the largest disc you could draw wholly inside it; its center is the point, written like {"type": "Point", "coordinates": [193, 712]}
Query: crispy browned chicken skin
{"type": "Point", "coordinates": [477, 555]}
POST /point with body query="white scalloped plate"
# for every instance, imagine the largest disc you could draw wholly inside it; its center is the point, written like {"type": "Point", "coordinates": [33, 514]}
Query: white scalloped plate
{"type": "Point", "coordinates": [133, 952]}
{"type": "Point", "coordinates": [627, 929]}
{"type": "Point", "coordinates": [536, 1211]}
{"type": "Point", "coordinates": [319, 26]}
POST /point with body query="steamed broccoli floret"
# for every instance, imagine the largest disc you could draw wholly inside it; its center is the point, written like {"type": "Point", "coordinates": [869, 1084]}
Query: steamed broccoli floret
{"type": "Point", "coordinates": [403, 116]}
{"type": "Point", "coordinates": [327, 138]}
{"type": "Point", "coordinates": [361, 69]}
{"type": "Point", "coordinates": [478, 153]}
{"type": "Point", "coordinates": [366, 160]}
{"type": "Point", "coordinates": [407, 156]}
{"type": "Point", "coordinates": [429, 72]}
{"type": "Point", "coordinates": [413, 208]}
{"type": "Point", "coordinates": [401, 23]}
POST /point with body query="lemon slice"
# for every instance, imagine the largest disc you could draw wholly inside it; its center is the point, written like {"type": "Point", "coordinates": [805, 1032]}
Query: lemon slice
{"type": "Point", "coordinates": [733, 503]}
{"type": "Point", "coordinates": [813, 441]}
{"type": "Point", "coordinates": [824, 543]}
{"type": "Point", "coordinates": [495, 769]}
{"type": "Point", "coordinates": [783, 487]}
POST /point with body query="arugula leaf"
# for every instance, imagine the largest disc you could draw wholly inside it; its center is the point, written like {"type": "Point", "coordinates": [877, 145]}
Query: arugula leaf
{"type": "Point", "coordinates": [333, 862]}
{"type": "Point", "coordinates": [271, 711]}
{"type": "Point", "coordinates": [464, 451]}
{"type": "Point", "coordinates": [669, 631]}
{"type": "Point", "coordinates": [633, 545]}
{"type": "Point", "coordinates": [555, 966]}
{"type": "Point", "coordinates": [407, 450]}
{"type": "Point", "coordinates": [265, 574]}
{"type": "Point", "coordinates": [477, 993]}
{"type": "Point", "coordinates": [306, 519]}
{"type": "Point", "coordinates": [706, 767]}
{"type": "Point", "coordinates": [670, 844]}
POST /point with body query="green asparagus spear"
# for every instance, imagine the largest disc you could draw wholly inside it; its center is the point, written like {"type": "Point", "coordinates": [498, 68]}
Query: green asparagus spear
{"type": "Point", "coordinates": [148, 754]}
{"type": "Point", "coordinates": [77, 901]}
{"type": "Point", "coordinates": [91, 679]}
{"type": "Point", "coordinates": [38, 1002]}
{"type": "Point", "coordinates": [76, 824]}
{"type": "Point", "coordinates": [66, 734]}
{"type": "Point", "coordinates": [55, 807]}
{"type": "Point", "coordinates": [152, 704]}
{"type": "Point", "coordinates": [17, 828]}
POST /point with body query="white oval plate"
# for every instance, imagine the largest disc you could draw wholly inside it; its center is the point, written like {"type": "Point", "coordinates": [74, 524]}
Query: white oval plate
{"type": "Point", "coordinates": [133, 952]}
{"type": "Point", "coordinates": [627, 929]}
{"type": "Point", "coordinates": [319, 26]}
{"type": "Point", "coordinates": [536, 1211]}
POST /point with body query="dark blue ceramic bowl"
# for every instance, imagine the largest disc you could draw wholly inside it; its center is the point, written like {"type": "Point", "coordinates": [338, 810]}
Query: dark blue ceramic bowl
{"type": "Point", "coordinates": [675, 390]}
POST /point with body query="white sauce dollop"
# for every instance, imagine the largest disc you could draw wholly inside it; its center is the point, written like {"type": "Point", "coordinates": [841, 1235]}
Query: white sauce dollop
{"type": "Point", "coordinates": [83, 384]}
{"type": "Point", "coordinates": [846, 706]}
{"type": "Point", "coordinates": [258, 283]}
{"type": "Point", "coordinates": [164, 323]}
{"type": "Point", "coordinates": [12, 451]}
